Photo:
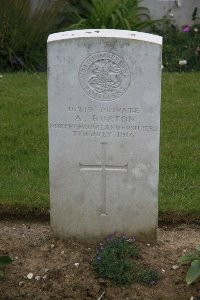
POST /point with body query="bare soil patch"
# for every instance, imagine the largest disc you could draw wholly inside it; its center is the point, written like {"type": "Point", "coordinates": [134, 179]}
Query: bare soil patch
{"type": "Point", "coordinates": [63, 269]}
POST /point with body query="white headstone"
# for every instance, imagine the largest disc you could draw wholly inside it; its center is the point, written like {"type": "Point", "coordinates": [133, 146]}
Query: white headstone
{"type": "Point", "coordinates": [104, 124]}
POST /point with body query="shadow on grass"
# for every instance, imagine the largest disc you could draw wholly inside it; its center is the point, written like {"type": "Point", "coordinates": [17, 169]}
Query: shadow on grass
{"type": "Point", "coordinates": [10, 213]}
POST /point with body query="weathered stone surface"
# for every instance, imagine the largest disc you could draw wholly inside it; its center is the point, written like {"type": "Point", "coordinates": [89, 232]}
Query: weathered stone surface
{"type": "Point", "coordinates": [104, 125]}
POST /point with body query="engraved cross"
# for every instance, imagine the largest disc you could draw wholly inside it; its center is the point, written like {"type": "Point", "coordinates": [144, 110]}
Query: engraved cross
{"type": "Point", "coordinates": [103, 167]}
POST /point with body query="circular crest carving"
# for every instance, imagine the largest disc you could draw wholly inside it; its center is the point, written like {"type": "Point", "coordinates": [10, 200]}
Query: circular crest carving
{"type": "Point", "coordinates": [104, 76]}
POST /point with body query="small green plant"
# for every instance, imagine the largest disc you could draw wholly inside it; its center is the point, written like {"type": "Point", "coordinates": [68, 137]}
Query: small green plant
{"type": "Point", "coordinates": [192, 258]}
{"type": "Point", "coordinates": [117, 259]}
{"type": "Point", "coordinates": [106, 14]}
{"type": "Point", "coordinates": [4, 261]}
{"type": "Point", "coordinates": [145, 276]}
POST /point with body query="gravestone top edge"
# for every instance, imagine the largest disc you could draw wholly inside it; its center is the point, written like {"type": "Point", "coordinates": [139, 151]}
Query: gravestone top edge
{"type": "Point", "coordinates": [105, 33]}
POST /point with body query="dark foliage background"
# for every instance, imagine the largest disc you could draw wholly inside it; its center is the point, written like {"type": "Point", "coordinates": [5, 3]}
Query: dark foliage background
{"type": "Point", "coordinates": [23, 33]}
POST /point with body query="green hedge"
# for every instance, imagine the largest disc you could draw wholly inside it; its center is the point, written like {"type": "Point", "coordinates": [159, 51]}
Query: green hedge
{"type": "Point", "coordinates": [23, 34]}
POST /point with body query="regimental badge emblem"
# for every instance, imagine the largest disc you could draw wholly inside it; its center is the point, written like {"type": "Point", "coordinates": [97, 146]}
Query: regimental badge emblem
{"type": "Point", "coordinates": [104, 76]}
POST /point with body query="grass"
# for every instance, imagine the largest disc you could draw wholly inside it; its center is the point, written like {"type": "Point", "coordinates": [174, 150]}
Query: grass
{"type": "Point", "coordinates": [24, 142]}
{"type": "Point", "coordinates": [180, 143]}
